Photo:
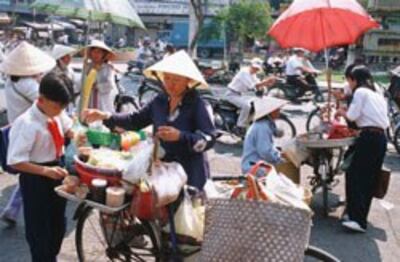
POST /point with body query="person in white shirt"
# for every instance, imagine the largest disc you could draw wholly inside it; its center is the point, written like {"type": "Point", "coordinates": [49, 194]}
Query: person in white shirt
{"type": "Point", "coordinates": [246, 80]}
{"type": "Point", "coordinates": [368, 109]}
{"type": "Point", "coordinates": [104, 90]}
{"type": "Point", "coordinates": [39, 163]}
{"type": "Point", "coordinates": [144, 54]}
{"type": "Point", "coordinates": [296, 67]}
{"type": "Point", "coordinates": [24, 66]}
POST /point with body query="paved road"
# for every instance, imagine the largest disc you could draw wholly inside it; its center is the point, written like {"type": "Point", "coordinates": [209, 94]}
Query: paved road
{"type": "Point", "coordinates": [380, 243]}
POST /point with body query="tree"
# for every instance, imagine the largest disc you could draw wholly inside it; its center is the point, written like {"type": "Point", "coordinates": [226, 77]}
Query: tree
{"type": "Point", "coordinates": [196, 17]}
{"type": "Point", "coordinates": [242, 20]}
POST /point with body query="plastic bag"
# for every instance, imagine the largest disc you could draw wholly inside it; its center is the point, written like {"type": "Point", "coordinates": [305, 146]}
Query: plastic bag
{"type": "Point", "coordinates": [69, 155]}
{"type": "Point", "coordinates": [294, 152]}
{"type": "Point", "coordinates": [139, 165]}
{"type": "Point", "coordinates": [167, 181]}
{"type": "Point", "coordinates": [285, 190]}
{"type": "Point", "coordinates": [189, 220]}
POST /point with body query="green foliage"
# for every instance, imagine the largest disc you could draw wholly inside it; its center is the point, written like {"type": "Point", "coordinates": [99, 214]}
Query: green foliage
{"type": "Point", "coordinates": [243, 19]}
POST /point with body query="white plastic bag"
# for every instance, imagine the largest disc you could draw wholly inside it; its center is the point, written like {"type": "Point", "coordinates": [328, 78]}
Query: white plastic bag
{"type": "Point", "coordinates": [189, 220]}
{"type": "Point", "coordinates": [167, 181]}
{"type": "Point", "coordinates": [285, 190]}
{"type": "Point", "coordinates": [294, 152]}
{"type": "Point", "coordinates": [139, 165]}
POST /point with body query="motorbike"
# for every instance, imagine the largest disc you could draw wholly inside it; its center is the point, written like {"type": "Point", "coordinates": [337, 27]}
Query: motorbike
{"type": "Point", "coordinates": [293, 93]}
{"type": "Point", "coordinates": [225, 116]}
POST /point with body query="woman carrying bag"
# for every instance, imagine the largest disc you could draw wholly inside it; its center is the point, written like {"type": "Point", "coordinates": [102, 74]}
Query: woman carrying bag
{"type": "Point", "coordinates": [179, 117]}
{"type": "Point", "coordinates": [368, 109]}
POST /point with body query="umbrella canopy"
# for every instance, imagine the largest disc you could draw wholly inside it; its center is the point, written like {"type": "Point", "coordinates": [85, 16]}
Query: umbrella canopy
{"type": "Point", "coordinates": [116, 11]}
{"type": "Point", "coordinates": [319, 24]}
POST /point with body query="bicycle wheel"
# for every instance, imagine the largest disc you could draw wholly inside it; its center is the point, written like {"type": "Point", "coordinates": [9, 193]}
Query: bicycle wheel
{"type": "Point", "coordinates": [324, 172]}
{"type": "Point", "coordinates": [117, 237]}
{"type": "Point", "coordinates": [147, 95]}
{"type": "Point", "coordinates": [277, 92]}
{"type": "Point", "coordinates": [126, 104]}
{"type": "Point", "coordinates": [316, 254]}
{"type": "Point", "coordinates": [313, 119]}
{"type": "Point", "coordinates": [286, 129]}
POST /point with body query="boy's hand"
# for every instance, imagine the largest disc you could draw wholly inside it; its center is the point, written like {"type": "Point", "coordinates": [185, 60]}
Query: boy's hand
{"type": "Point", "coordinates": [92, 115]}
{"type": "Point", "coordinates": [55, 173]}
{"type": "Point", "coordinates": [80, 139]}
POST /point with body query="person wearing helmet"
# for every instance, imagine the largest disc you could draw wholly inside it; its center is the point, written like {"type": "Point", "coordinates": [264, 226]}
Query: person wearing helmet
{"type": "Point", "coordinates": [246, 80]}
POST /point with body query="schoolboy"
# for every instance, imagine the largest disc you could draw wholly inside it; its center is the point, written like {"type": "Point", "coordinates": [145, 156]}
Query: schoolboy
{"type": "Point", "coordinates": [35, 149]}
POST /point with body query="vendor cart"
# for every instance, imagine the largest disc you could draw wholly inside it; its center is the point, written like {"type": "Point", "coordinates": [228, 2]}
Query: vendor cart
{"type": "Point", "coordinates": [326, 156]}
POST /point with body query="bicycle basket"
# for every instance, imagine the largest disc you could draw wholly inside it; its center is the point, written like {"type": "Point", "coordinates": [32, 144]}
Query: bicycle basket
{"type": "Point", "coordinates": [241, 230]}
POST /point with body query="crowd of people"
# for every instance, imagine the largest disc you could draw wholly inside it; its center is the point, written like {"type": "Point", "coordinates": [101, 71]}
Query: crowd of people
{"type": "Point", "coordinates": [42, 96]}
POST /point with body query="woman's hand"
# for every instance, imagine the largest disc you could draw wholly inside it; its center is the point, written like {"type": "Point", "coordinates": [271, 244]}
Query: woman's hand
{"type": "Point", "coordinates": [92, 115]}
{"type": "Point", "coordinates": [168, 133]}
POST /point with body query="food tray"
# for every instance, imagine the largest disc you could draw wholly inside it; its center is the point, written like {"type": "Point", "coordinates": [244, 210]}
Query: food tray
{"type": "Point", "coordinates": [313, 142]}
{"type": "Point", "coordinates": [101, 207]}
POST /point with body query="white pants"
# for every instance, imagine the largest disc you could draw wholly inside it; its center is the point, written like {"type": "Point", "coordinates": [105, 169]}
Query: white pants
{"type": "Point", "coordinates": [244, 104]}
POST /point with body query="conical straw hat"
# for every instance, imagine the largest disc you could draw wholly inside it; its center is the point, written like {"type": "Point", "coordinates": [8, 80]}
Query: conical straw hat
{"type": "Point", "coordinates": [178, 64]}
{"type": "Point", "coordinates": [27, 60]}
{"type": "Point", "coordinates": [267, 105]}
{"type": "Point", "coordinates": [60, 51]}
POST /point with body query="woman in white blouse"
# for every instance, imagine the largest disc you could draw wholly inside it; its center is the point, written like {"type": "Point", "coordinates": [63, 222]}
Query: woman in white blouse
{"type": "Point", "coordinates": [368, 110]}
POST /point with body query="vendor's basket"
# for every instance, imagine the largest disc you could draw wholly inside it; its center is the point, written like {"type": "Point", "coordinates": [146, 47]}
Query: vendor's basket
{"type": "Point", "coordinates": [243, 230]}
{"type": "Point", "coordinates": [87, 173]}
{"type": "Point", "coordinates": [100, 138]}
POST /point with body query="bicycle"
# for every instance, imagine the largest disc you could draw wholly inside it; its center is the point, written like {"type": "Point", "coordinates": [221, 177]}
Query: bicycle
{"type": "Point", "coordinates": [119, 236]}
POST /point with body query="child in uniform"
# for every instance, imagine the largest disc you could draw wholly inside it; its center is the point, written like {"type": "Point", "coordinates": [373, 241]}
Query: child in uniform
{"type": "Point", "coordinates": [35, 149]}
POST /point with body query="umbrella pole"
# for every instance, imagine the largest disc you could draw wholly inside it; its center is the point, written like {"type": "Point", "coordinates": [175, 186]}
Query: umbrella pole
{"type": "Point", "coordinates": [328, 80]}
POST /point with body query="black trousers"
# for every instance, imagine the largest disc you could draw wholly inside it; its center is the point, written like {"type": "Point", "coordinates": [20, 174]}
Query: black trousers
{"type": "Point", "coordinates": [44, 214]}
{"type": "Point", "coordinates": [304, 84]}
{"type": "Point", "coordinates": [369, 154]}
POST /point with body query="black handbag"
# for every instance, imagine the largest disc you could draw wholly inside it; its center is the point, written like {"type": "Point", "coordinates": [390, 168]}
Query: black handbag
{"type": "Point", "coordinates": [382, 183]}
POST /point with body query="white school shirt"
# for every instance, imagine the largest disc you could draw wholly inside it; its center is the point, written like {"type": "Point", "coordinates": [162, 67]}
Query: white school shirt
{"type": "Point", "coordinates": [244, 81]}
{"type": "Point", "coordinates": [16, 104]}
{"type": "Point", "coordinates": [30, 140]}
{"type": "Point", "coordinates": [368, 109]}
{"type": "Point", "coordinates": [293, 66]}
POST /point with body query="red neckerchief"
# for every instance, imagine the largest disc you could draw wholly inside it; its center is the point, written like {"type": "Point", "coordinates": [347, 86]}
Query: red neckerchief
{"type": "Point", "coordinates": [58, 138]}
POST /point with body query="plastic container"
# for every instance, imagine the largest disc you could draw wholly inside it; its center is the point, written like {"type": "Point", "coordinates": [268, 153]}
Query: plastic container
{"type": "Point", "coordinates": [100, 138]}
{"type": "Point", "coordinates": [98, 190]}
{"type": "Point", "coordinates": [87, 173]}
{"type": "Point", "coordinates": [115, 196]}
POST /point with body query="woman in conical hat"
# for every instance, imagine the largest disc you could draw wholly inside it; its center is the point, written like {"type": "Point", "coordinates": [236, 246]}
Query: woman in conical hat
{"type": "Point", "coordinates": [104, 90]}
{"type": "Point", "coordinates": [63, 56]}
{"type": "Point", "coordinates": [259, 143]}
{"type": "Point", "coordinates": [179, 116]}
{"type": "Point", "coordinates": [24, 67]}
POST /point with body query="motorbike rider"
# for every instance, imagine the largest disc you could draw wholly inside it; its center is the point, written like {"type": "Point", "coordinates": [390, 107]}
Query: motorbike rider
{"type": "Point", "coordinates": [144, 54]}
{"type": "Point", "coordinates": [246, 80]}
{"type": "Point", "coordinates": [301, 73]}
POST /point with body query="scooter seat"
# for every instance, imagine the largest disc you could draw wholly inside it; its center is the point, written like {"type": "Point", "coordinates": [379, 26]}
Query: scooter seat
{"type": "Point", "coordinates": [225, 104]}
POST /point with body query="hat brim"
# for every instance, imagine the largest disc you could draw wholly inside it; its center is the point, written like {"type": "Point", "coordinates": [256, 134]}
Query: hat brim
{"type": "Point", "coordinates": [178, 64]}
{"type": "Point", "coordinates": [266, 105]}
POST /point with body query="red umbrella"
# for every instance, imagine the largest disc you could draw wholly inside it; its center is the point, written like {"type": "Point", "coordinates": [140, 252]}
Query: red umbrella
{"type": "Point", "coordinates": [319, 24]}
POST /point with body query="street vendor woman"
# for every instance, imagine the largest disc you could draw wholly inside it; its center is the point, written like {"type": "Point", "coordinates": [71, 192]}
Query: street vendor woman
{"type": "Point", "coordinates": [259, 140]}
{"type": "Point", "coordinates": [104, 90]}
{"type": "Point", "coordinates": [368, 109]}
{"type": "Point", "coordinates": [179, 117]}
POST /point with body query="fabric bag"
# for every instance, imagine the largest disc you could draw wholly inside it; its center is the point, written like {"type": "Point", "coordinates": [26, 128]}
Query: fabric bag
{"type": "Point", "coordinates": [4, 141]}
{"type": "Point", "coordinates": [347, 161]}
{"type": "Point", "coordinates": [382, 183]}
